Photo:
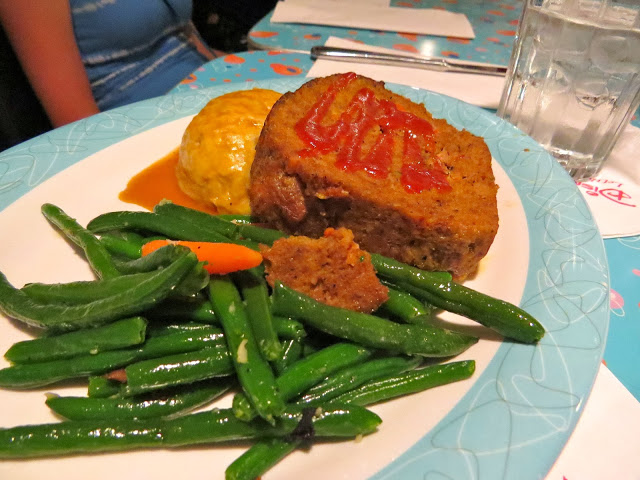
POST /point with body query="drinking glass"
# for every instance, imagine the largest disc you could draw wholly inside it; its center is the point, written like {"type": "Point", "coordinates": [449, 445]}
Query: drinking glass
{"type": "Point", "coordinates": [573, 82]}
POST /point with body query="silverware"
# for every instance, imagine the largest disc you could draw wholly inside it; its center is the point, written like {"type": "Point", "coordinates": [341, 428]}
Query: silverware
{"type": "Point", "coordinates": [430, 63]}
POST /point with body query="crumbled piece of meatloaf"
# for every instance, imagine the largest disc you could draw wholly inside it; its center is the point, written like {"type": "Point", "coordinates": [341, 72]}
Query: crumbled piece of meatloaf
{"type": "Point", "coordinates": [331, 269]}
{"type": "Point", "coordinates": [343, 151]}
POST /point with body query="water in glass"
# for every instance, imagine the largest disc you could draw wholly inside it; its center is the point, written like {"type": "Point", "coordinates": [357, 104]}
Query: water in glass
{"type": "Point", "coordinates": [574, 78]}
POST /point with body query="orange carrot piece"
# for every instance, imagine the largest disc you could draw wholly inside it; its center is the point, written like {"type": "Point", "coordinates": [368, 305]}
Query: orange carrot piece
{"type": "Point", "coordinates": [220, 258]}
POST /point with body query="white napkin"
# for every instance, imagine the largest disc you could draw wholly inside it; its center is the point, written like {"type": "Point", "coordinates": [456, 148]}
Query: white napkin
{"type": "Point", "coordinates": [604, 443]}
{"type": "Point", "coordinates": [614, 194]}
{"type": "Point", "coordinates": [481, 90]}
{"type": "Point", "coordinates": [374, 16]}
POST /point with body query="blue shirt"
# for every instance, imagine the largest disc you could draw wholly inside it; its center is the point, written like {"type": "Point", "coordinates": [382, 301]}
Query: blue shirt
{"type": "Point", "coordinates": [134, 49]}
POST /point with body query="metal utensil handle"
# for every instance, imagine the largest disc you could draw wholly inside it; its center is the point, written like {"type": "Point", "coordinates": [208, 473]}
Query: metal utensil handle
{"type": "Point", "coordinates": [430, 63]}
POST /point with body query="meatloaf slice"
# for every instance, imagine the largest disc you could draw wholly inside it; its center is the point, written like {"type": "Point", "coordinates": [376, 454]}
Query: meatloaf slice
{"type": "Point", "coordinates": [343, 151]}
{"type": "Point", "coordinates": [331, 269]}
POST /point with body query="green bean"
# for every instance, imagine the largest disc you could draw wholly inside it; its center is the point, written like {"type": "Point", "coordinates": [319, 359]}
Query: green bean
{"type": "Point", "coordinates": [24, 376]}
{"type": "Point", "coordinates": [178, 213]}
{"type": "Point", "coordinates": [120, 334]}
{"type": "Point", "coordinates": [258, 459]}
{"type": "Point", "coordinates": [291, 353]}
{"type": "Point", "coordinates": [164, 404]}
{"type": "Point", "coordinates": [406, 383]}
{"type": "Point", "coordinates": [230, 229]}
{"type": "Point", "coordinates": [90, 436]}
{"type": "Point", "coordinates": [159, 329]}
{"type": "Point", "coordinates": [31, 375]}
{"type": "Point", "coordinates": [254, 373]}
{"type": "Point", "coordinates": [152, 222]}
{"type": "Point", "coordinates": [254, 233]}
{"type": "Point", "coordinates": [259, 234]}
{"type": "Point", "coordinates": [192, 284]}
{"type": "Point", "coordinates": [309, 371]}
{"type": "Point", "coordinates": [96, 254]}
{"type": "Point", "coordinates": [126, 244]}
{"type": "Point", "coordinates": [180, 342]}
{"type": "Point", "coordinates": [255, 293]}
{"type": "Point", "coordinates": [235, 218]}
{"type": "Point", "coordinates": [180, 369]}
{"type": "Point", "coordinates": [151, 289]}
{"type": "Point", "coordinates": [499, 315]}
{"type": "Point", "coordinates": [81, 292]}
{"type": "Point", "coordinates": [102, 387]}
{"type": "Point", "coordinates": [197, 309]}
{"type": "Point", "coordinates": [354, 376]}
{"type": "Point", "coordinates": [396, 270]}
{"type": "Point", "coordinates": [75, 293]}
{"type": "Point", "coordinates": [121, 246]}
{"type": "Point", "coordinates": [404, 306]}
{"type": "Point", "coordinates": [288, 328]}
{"type": "Point", "coordinates": [133, 237]}
{"type": "Point", "coordinates": [159, 258]}
{"type": "Point", "coordinates": [369, 330]}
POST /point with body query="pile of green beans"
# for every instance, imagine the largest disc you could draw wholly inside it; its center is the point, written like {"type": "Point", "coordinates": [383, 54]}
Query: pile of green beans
{"type": "Point", "coordinates": [157, 337]}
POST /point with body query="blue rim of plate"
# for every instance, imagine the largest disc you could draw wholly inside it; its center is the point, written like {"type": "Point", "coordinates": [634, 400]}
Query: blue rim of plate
{"type": "Point", "coordinates": [519, 413]}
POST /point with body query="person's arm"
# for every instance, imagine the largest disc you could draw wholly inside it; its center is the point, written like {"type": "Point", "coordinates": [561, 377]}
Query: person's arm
{"type": "Point", "coordinates": [41, 34]}
{"type": "Point", "coordinates": [202, 48]}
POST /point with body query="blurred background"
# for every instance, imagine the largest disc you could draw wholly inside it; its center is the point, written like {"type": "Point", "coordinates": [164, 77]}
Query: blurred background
{"type": "Point", "coordinates": [223, 24]}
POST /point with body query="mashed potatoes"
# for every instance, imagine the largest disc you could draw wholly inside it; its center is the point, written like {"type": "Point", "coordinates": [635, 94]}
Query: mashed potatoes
{"type": "Point", "coordinates": [218, 146]}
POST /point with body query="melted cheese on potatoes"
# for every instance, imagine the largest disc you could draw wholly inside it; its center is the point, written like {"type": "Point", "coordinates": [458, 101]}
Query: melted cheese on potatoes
{"type": "Point", "coordinates": [218, 146]}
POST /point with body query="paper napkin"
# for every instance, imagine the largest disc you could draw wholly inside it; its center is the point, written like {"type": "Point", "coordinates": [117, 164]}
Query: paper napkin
{"type": "Point", "coordinates": [604, 443]}
{"type": "Point", "coordinates": [614, 194]}
{"type": "Point", "coordinates": [481, 90]}
{"type": "Point", "coordinates": [374, 16]}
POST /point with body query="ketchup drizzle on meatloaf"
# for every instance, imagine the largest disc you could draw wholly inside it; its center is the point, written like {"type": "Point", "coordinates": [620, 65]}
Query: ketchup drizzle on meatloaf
{"type": "Point", "coordinates": [434, 229]}
{"type": "Point", "coordinates": [420, 169]}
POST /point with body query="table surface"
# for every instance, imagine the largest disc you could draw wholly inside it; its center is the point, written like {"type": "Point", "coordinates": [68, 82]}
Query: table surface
{"type": "Point", "coordinates": [494, 23]}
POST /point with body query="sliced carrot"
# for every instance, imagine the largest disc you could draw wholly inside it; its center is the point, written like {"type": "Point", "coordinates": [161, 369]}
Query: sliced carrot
{"type": "Point", "coordinates": [220, 258]}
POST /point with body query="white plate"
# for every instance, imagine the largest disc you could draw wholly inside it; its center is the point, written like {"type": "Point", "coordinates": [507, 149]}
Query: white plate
{"type": "Point", "coordinates": [509, 421]}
